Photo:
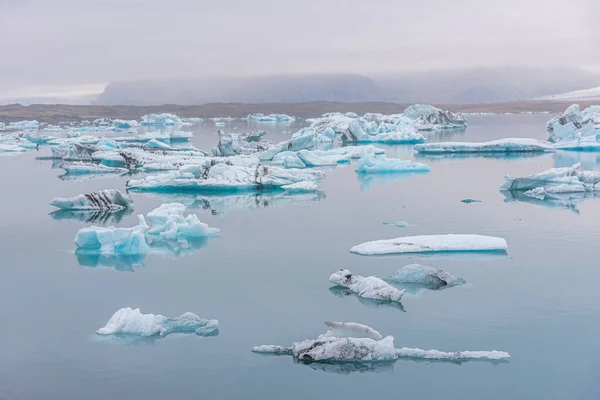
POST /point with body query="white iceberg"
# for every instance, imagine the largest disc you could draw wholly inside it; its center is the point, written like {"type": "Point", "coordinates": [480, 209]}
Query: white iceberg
{"type": "Point", "coordinates": [270, 118]}
{"type": "Point", "coordinates": [167, 137]}
{"type": "Point", "coordinates": [289, 159]}
{"type": "Point", "coordinates": [509, 145]}
{"type": "Point", "coordinates": [555, 180]}
{"type": "Point", "coordinates": [192, 121]}
{"type": "Point", "coordinates": [109, 199]}
{"type": "Point", "coordinates": [574, 123]}
{"type": "Point", "coordinates": [149, 160]}
{"type": "Point", "coordinates": [403, 132]}
{"type": "Point", "coordinates": [317, 158]}
{"type": "Point", "coordinates": [231, 144]}
{"type": "Point", "coordinates": [169, 223]}
{"type": "Point", "coordinates": [369, 287]}
{"type": "Point", "coordinates": [226, 178]}
{"type": "Point", "coordinates": [466, 355]}
{"type": "Point", "coordinates": [326, 136]}
{"type": "Point", "coordinates": [294, 144]}
{"type": "Point", "coordinates": [351, 329]}
{"type": "Point", "coordinates": [128, 321]}
{"type": "Point", "coordinates": [382, 164]}
{"type": "Point", "coordinates": [301, 187]}
{"type": "Point", "coordinates": [111, 240]}
{"type": "Point", "coordinates": [38, 139]}
{"type": "Point", "coordinates": [424, 275]}
{"type": "Point", "coordinates": [11, 148]}
{"type": "Point", "coordinates": [432, 243]}
{"type": "Point", "coordinates": [157, 144]}
{"type": "Point", "coordinates": [427, 118]}
{"type": "Point", "coordinates": [23, 126]}
{"type": "Point", "coordinates": [84, 169]}
{"type": "Point", "coordinates": [160, 120]}
{"type": "Point", "coordinates": [74, 152]}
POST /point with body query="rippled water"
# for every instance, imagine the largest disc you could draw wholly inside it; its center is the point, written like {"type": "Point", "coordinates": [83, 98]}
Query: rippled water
{"type": "Point", "coordinates": [265, 280]}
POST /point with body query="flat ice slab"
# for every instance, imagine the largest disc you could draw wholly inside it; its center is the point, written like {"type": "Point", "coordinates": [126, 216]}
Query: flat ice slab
{"type": "Point", "coordinates": [382, 165]}
{"type": "Point", "coordinates": [108, 199]}
{"type": "Point", "coordinates": [128, 321]}
{"type": "Point", "coordinates": [84, 169]}
{"type": "Point", "coordinates": [431, 243]}
{"type": "Point", "coordinates": [510, 145]}
{"type": "Point", "coordinates": [467, 355]}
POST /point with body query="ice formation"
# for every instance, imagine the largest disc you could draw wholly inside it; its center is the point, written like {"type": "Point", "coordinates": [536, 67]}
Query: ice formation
{"type": "Point", "coordinates": [573, 124]}
{"type": "Point", "coordinates": [128, 321]}
{"type": "Point", "coordinates": [382, 164]}
{"type": "Point", "coordinates": [351, 329]}
{"type": "Point", "coordinates": [424, 275]}
{"type": "Point", "coordinates": [11, 148]}
{"type": "Point", "coordinates": [226, 178]}
{"type": "Point", "coordinates": [294, 144]}
{"type": "Point", "coordinates": [428, 118]}
{"type": "Point", "coordinates": [288, 159]}
{"type": "Point", "coordinates": [169, 223]}
{"type": "Point", "coordinates": [231, 144]}
{"type": "Point", "coordinates": [270, 118]}
{"type": "Point", "coordinates": [163, 136]}
{"type": "Point", "coordinates": [495, 146]}
{"type": "Point", "coordinates": [74, 152]}
{"type": "Point", "coordinates": [111, 240]}
{"type": "Point", "coordinates": [15, 142]}
{"type": "Point", "coordinates": [469, 201]}
{"type": "Point", "coordinates": [431, 243]}
{"type": "Point", "coordinates": [316, 158]}
{"type": "Point", "coordinates": [466, 355]}
{"type": "Point", "coordinates": [555, 180]}
{"type": "Point", "coordinates": [109, 199]}
{"type": "Point", "coordinates": [22, 126]}
{"type": "Point", "coordinates": [192, 121]}
{"type": "Point", "coordinates": [38, 139]}
{"type": "Point", "coordinates": [161, 160]}
{"type": "Point", "coordinates": [160, 120]}
{"type": "Point", "coordinates": [369, 287]}
{"type": "Point", "coordinates": [157, 144]}
{"type": "Point", "coordinates": [83, 169]}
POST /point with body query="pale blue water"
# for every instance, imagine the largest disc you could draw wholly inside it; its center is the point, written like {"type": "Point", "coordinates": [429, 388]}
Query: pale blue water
{"type": "Point", "coordinates": [265, 280]}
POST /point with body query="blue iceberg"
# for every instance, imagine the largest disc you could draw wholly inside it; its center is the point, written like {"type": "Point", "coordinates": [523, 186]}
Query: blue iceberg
{"type": "Point", "coordinates": [270, 118]}
{"type": "Point", "coordinates": [424, 275]}
{"type": "Point", "coordinates": [169, 223]}
{"type": "Point", "coordinates": [111, 240]}
{"type": "Point", "coordinates": [378, 165]}
{"type": "Point", "coordinates": [160, 120]}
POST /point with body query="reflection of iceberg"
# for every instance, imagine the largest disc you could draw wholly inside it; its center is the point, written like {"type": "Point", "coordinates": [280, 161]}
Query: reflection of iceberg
{"type": "Point", "coordinates": [350, 367]}
{"type": "Point", "coordinates": [101, 217]}
{"type": "Point", "coordinates": [465, 156]}
{"type": "Point", "coordinates": [340, 291]}
{"type": "Point", "coordinates": [384, 165]}
{"type": "Point", "coordinates": [369, 287]}
{"type": "Point", "coordinates": [568, 201]}
{"type": "Point", "coordinates": [587, 159]}
{"type": "Point", "coordinates": [366, 180]}
{"type": "Point", "coordinates": [118, 262]}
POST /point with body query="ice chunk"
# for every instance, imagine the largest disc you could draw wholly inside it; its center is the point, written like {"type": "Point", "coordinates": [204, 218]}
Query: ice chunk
{"type": "Point", "coordinates": [226, 178]}
{"type": "Point", "coordinates": [231, 144]}
{"type": "Point", "coordinates": [369, 287]}
{"type": "Point", "coordinates": [169, 223]}
{"type": "Point", "coordinates": [351, 329]}
{"type": "Point", "coordinates": [192, 121]}
{"type": "Point", "coordinates": [160, 120]}
{"type": "Point", "coordinates": [317, 158]}
{"type": "Point", "coordinates": [427, 118]}
{"type": "Point", "coordinates": [127, 241]}
{"type": "Point", "coordinates": [370, 164]}
{"type": "Point", "coordinates": [301, 187]}
{"type": "Point", "coordinates": [128, 321]}
{"type": "Point", "coordinates": [11, 148]}
{"type": "Point", "coordinates": [273, 349]}
{"type": "Point", "coordinates": [81, 169]}
{"type": "Point", "coordinates": [38, 139]}
{"type": "Point", "coordinates": [156, 144]}
{"type": "Point", "coordinates": [294, 144]}
{"type": "Point", "coordinates": [406, 352]}
{"type": "Point", "coordinates": [23, 126]}
{"type": "Point", "coordinates": [331, 349]}
{"type": "Point", "coordinates": [399, 224]}
{"type": "Point", "coordinates": [109, 199]}
{"type": "Point", "coordinates": [555, 180]}
{"type": "Point", "coordinates": [167, 136]}
{"type": "Point", "coordinates": [574, 123]}
{"type": "Point", "coordinates": [356, 152]}
{"type": "Point", "coordinates": [270, 118]}
{"type": "Point", "coordinates": [151, 160]}
{"type": "Point", "coordinates": [402, 133]}
{"type": "Point", "coordinates": [424, 275]}
{"type": "Point", "coordinates": [74, 152]}
{"type": "Point", "coordinates": [326, 136]}
{"type": "Point", "coordinates": [495, 146]}
{"type": "Point", "coordinates": [288, 159]}
{"type": "Point", "coordinates": [431, 243]}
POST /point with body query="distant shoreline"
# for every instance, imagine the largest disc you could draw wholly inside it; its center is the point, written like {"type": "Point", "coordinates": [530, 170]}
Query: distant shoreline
{"type": "Point", "coordinates": [54, 113]}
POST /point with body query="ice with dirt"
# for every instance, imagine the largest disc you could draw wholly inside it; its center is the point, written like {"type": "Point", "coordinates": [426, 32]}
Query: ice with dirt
{"type": "Point", "coordinates": [128, 321]}
{"type": "Point", "coordinates": [428, 118]}
{"type": "Point", "coordinates": [107, 200]}
{"type": "Point", "coordinates": [111, 240]}
{"type": "Point", "coordinates": [169, 223]}
{"type": "Point", "coordinates": [432, 243]}
{"type": "Point", "coordinates": [573, 124]}
{"type": "Point", "coordinates": [424, 275]}
{"type": "Point", "coordinates": [371, 164]}
{"type": "Point", "coordinates": [369, 287]}
{"type": "Point", "coordinates": [509, 145]}
{"type": "Point", "coordinates": [555, 180]}
{"type": "Point", "coordinates": [231, 144]}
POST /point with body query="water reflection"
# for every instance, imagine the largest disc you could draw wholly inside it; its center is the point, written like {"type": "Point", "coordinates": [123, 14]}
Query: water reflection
{"type": "Point", "coordinates": [367, 180]}
{"type": "Point", "coordinates": [347, 368]}
{"type": "Point", "coordinates": [340, 291]}
{"type": "Point", "coordinates": [587, 159]}
{"type": "Point", "coordinates": [101, 217]}
{"type": "Point", "coordinates": [567, 201]}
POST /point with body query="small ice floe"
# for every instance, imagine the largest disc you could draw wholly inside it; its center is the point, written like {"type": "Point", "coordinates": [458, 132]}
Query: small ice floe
{"type": "Point", "coordinates": [169, 223]}
{"type": "Point", "coordinates": [510, 145]}
{"type": "Point", "coordinates": [107, 200]}
{"type": "Point", "coordinates": [426, 276]}
{"type": "Point", "coordinates": [84, 169]}
{"type": "Point", "coordinates": [399, 224]}
{"type": "Point", "coordinates": [469, 201]}
{"type": "Point", "coordinates": [370, 287]}
{"type": "Point", "coordinates": [382, 164]}
{"type": "Point", "coordinates": [128, 321]}
{"type": "Point", "coordinates": [432, 243]}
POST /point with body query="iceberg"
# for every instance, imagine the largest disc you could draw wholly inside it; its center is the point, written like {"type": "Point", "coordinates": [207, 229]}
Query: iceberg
{"type": "Point", "coordinates": [157, 144]}
{"type": "Point", "coordinates": [372, 165]}
{"type": "Point", "coordinates": [82, 169]}
{"type": "Point", "coordinates": [574, 123]}
{"type": "Point", "coordinates": [432, 243]}
{"type": "Point", "coordinates": [509, 145]}
{"type": "Point", "coordinates": [128, 321]}
{"type": "Point", "coordinates": [288, 159]}
{"type": "Point", "coordinates": [38, 139]}
{"type": "Point", "coordinates": [168, 137]}
{"type": "Point", "coordinates": [160, 120]}
{"type": "Point", "coordinates": [226, 178]}
{"type": "Point", "coordinates": [428, 118]}
{"type": "Point", "coordinates": [325, 137]}
{"type": "Point", "coordinates": [301, 187]}
{"type": "Point", "coordinates": [294, 144]}
{"type": "Point", "coordinates": [369, 287]}
{"type": "Point", "coordinates": [231, 144]}
{"type": "Point", "coordinates": [316, 158]}
{"type": "Point", "coordinates": [555, 180]}
{"type": "Point", "coordinates": [109, 199]}
{"type": "Point", "coordinates": [469, 201]}
{"type": "Point", "coordinates": [169, 223]}
{"type": "Point", "coordinates": [191, 121]}
{"type": "Point", "coordinates": [270, 118]}
{"type": "Point", "coordinates": [11, 148]}
{"type": "Point", "coordinates": [111, 240]}
{"type": "Point", "coordinates": [351, 329]}
{"type": "Point", "coordinates": [23, 126]}
{"type": "Point", "coordinates": [493, 355]}
{"type": "Point", "coordinates": [424, 275]}
{"type": "Point", "coordinates": [401, 133]}
{"type": "Point", "coordinates": [161, 160]}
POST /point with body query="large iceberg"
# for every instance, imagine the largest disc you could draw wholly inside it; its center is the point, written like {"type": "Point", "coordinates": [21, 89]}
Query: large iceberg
{"type": "Point", "coordinates": [111, 240]}
{"type": "Point", "coordinates": [369, 287]}
{"type": "Point", "coordinates": [128, 321]}
{"type": "Point", "coordinates": [169, 223]}
{"type": "Point", "coordinates": [382, 164]}
{"type": "Point", "coordinates": [432, 243]}
{"type": "Point", "coordinates": [109, 199]}
{"type": "Point", "coordinates": [270, 118]}
{"type": "Point", "coordinates": [509, 145]}
{"type": "Point", "coordinates": [160, 120]}
{"type": "Point", "coordinates": [574, 123]}
{"type": "Point", "coordinates": [424, 275]}
{"type": "Point", "coordinates": [428, 118]}
{"type": "Point", "coordinates": [231, 144]}
{"type": "Point", "coordinates": [226, 178]}
{"type": "Point", "coordinates": [555, 180]}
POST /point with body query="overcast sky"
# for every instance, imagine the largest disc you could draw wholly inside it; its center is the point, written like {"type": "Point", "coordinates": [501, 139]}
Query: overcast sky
{"type": "Point", "coordinates": [47, 43]}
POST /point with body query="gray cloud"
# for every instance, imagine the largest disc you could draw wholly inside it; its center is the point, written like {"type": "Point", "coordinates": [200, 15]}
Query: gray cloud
{"type": "Point", "coordinates": [89, 41]}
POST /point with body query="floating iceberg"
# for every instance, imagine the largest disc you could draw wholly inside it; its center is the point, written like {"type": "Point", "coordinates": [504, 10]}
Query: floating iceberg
{"type": "Point", "coordinates": [399, 224]}
{"type": "Point", "coordinates": [294, 144]}
{"type": "Point", "coordinates": [167, 137]}
{"type": "Point", "coordinates": [555, 180]}
{"type": "Point", "coordinates": [23, 126]}
{"type": "Point", "coordinates": [111, 240]}
{"type": "Point", "coordinates": [74, 152]}
{"type": "Point", "coordinates": [191, 121]}
{"type": "Point", "coordinates": [288, 159]}
{"type": "Point", "coordinates": [84, 169]}
{"type": "Point", "coordinates": [324, 137]}
{"type": "Point", "coordinates": [128, 321]}
{"type": "Point", "coordinates": [109, 199]}
{"type": "Point", "coordinates": [424, 275]}
{"type": "Point", "coordinates": [369, 287]}
{"type": "Point", "coordinates": [574, 123]}
{"type": "Point", "coordinates": [431, 243]}
{"type": "Point", "coordinates": [161, 160]}
{"type": "Point", "coordinates": [469, 201]}
{"type": "Point", "coordinates": [402, 133]}
{"type": "Point", "coordinates": [11, 148]}
{"type": "Point", "coordinates": [429, 118]}
{"type": "Point", "coordinates": [168, 223]}
{"type": "Point", "coordinates": [231, 144]}
{"type": "Point", "coordinates": [226, 178]}
{"type": "Point", "coordinates": [270, 118]}
{"type": "Point", "coordinates": [317, 158]}
{"type": "Point", "coordinates": [493, 355]}
{"type": "Point", "coordinates": [38, 139]}
{"type": "Point", "coordinates": [495, 146]}
{"type": "Point", "coordinates": [15, 142]}
{"type": "Point", "coordinates": [160, 120]}
{"type": "Point", "coordinates": [351, 329]}
{"type": "Point", "coordinates": [157, 144]}
{"type": "Point", "coordinates": [370, 164]}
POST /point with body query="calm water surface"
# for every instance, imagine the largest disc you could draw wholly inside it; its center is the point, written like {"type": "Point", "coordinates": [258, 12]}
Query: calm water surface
{"type": "Point", "coordinates": [266, 280]}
